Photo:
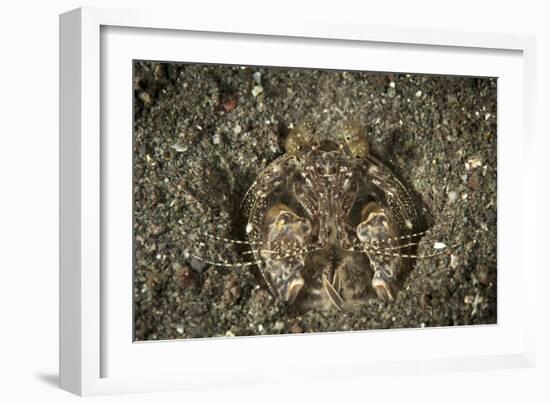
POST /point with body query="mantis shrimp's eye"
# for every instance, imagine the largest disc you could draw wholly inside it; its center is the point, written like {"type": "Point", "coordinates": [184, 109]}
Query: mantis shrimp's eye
{"type": "Point", "coordinates": [298, 137]}
{"type": "Point", "coordinates": [355, 139]}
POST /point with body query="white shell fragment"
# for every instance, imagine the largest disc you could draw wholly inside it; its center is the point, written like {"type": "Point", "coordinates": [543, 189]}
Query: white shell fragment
{"type": "Point", "coordinates": [439, 245]}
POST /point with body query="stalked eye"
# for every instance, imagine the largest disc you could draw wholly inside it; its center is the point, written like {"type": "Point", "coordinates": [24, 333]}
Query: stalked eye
{"type": "Point", "coordinates": [355, 139]}
{"type": "Point", "coordinates": [298, 137]}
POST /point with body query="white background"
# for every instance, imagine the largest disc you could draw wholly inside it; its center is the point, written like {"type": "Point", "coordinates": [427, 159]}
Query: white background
{"type": "Point", "coordinates": [29, 201]}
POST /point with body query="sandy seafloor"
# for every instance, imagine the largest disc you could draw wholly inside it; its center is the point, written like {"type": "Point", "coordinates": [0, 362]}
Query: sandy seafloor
{"type": "Point", "coordinates": [202, 134]}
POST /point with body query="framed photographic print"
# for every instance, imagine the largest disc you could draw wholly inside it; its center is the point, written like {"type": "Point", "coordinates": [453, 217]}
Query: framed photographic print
{"type": "Point", "coordinates": [262, 205]}
{"type": "Point", "coordinates": [237, 199]}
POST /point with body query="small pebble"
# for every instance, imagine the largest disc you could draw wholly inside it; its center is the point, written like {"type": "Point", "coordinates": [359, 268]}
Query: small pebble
{"type": "Point", "coordinates": [257, 90]}
{"type": "Point", "coordinates": [452, 195]}
{"type": "Point", "coordinates": [474, 162]}
{"type": "Point", "coordinates": [278, 326]}
{"type": "Point", "coordinates": [237, 129]}
{"type": "Point", "coordinates": [296, 328]}
{"type": "Point", "coordinates": [216, 139]}
{"type": "Point", "coordinates": [179, 148]}
{"type": "Point", "coordinates": [179, 329]}
{"type": "Point", "coordinates": [257, 76]}
{"type": "Point", "coordinates": [198, 265]}
{"type": "Point", "coordinates": [418, 94]}
{"type": "Point", "coordinates": [229, 105]}
{"type": "Point", "coordinates": [473, 182]}
{"type": "Point", "coordinates": [439, 245]}
{"type": "Point", "coordinates": [145, 97]}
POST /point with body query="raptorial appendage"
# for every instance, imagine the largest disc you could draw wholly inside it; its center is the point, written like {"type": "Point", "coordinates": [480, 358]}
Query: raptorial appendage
{"type": "Point", "coordinates": [286, 231]}
{"type": "Point", "coordinates": [377, 230]}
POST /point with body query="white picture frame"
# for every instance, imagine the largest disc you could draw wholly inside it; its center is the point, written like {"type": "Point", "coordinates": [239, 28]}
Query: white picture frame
{"type": "Point", "coordinates": [98, 358]}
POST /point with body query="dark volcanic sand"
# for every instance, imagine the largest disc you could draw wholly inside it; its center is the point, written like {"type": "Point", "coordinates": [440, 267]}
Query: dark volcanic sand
{"type": "Point", "coordinates": [201, 137]}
